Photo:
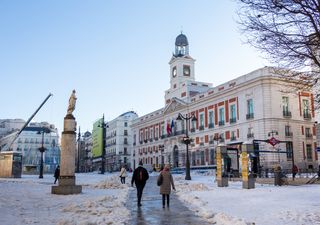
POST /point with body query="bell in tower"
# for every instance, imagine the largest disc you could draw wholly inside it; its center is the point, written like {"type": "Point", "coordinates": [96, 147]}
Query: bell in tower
{"type": "Point", "coordinates": [182, 46]}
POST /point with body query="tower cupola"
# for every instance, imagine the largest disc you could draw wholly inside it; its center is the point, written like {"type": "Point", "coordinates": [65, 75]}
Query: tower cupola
{"type": "Point", "coordinates": [182, 46]}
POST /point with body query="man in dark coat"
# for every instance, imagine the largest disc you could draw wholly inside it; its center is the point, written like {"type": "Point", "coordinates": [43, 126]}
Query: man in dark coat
{"type": "Point", "coordinates": [56, 174]}
{"type": "Point", "coordinates": [139, 177]}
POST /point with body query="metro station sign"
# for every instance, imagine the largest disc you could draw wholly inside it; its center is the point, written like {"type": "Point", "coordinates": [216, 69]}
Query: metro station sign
{"type": "Point", "coordinates": [273, 141]}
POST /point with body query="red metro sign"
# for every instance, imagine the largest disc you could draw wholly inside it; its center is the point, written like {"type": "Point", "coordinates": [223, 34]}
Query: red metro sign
{"type": "Point", "coordinates": [273, 141]}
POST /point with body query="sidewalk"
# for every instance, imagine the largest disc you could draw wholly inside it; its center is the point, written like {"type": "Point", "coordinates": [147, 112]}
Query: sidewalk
{"type": "Point", "coordinates": [151, 211]}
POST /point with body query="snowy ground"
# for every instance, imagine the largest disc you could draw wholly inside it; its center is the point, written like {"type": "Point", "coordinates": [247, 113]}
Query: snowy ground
{"type": "Point", "coordinates": [265, 205]}
{"type": "Point", "coordinates": [29, 201]}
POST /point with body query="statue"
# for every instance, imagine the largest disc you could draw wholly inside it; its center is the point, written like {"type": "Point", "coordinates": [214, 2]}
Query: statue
{"type": "Point", "coordinates": [72, 102]}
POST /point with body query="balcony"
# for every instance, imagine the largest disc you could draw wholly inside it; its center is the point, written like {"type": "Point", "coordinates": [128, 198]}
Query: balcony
{"type": "Point", "coordinates": [211, 142]}
{"type": "Point", "coordinates": [179, 132]}
{"type": "Point", "coordinates": [201, 127]}
{"type": "Point", "coordinates": [309, 136]}
{"type": "Point", "coordinates": [233, 120]}
{"type": "Point", "coordinates": [288, 134]}
{"type": "Point", "coordinates": [307, 116]}
{"type": "Point", "coordinates": [201, 144]}
{"type": "Point", "coordinates": [146, 140]}
{"type": "Point", "coordinates": [163, 136]}
{"type": "Point", "coordinates": [250, 116]}
{"type": "Point", "coordinates": [233, 138]}
{"type": "Point", "coordinates": [211, 125]}
{"type": "Point", "coordinates": [151, 140]}
{"type": "Point", "coordinates": [156, 138]}
{"type": "Point", "coordinates": [286, 114]}
{"type": "Point", "coordinates": [221, 123]}
{"type": "Point", "coordinates": [193, 130]}
{"type": "Point", "coordinates": [140, 142]}
{"type": "Point", "coordinates": [250, 135]}
{"type": "Point", "coordinates": [221, 140]}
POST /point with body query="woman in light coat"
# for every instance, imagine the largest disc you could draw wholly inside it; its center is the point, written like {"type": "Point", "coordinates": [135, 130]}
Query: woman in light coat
{"type": "Point", "coordinates": [123, 174]}
{"type": "Point", "coordinates": [165, 187]}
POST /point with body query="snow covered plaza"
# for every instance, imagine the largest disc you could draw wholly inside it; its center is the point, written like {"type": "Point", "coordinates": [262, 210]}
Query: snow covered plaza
{"type": "Point", "coordinates": [105, 201]}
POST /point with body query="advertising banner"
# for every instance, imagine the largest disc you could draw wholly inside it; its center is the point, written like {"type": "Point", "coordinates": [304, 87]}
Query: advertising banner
{"type": "Point", "coordinates": [97, 139]}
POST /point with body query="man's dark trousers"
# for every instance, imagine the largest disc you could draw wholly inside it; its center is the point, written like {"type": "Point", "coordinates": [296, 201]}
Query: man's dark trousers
{"type": "Point", "coordinates": [140, 187]}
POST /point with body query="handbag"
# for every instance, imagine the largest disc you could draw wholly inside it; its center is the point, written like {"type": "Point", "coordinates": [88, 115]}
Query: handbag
{"type": "Point", "coordinates": [160, 180]}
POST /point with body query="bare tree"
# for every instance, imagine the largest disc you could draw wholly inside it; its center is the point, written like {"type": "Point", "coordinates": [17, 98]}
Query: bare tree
{"type": "Point", "coordinates": [287, 32]}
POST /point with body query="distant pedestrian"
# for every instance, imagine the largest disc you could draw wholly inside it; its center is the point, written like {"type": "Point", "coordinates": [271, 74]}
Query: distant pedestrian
{"type": "Point", "coordinates": [294, 171]}
{"type": "Point", "coordinates": [123, 175]}
{"type": "Point", "coordinates": [57, 174]}
{"type": "Point", "coordinates": [139, 177]}
{"type": "Point", "coordinates": [165, 187]}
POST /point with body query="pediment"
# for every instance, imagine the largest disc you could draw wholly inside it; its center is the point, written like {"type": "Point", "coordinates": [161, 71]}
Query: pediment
{"type": "Point", "coordinates": [174, 105]}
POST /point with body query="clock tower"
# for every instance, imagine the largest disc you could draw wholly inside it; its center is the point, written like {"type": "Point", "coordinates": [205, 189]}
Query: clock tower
{"type": "Point", "coordinates": [181, 63]}
{"type": "Point", "coordinates": [181, 68]}
{"type": "Point", "coordinates": [182, 80]}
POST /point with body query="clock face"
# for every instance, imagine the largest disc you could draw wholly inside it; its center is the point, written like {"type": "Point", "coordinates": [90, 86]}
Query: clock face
{"type": "Point", "coordinates": [174, 72]}
{"type": "Point", "coordinates": [186, 70]}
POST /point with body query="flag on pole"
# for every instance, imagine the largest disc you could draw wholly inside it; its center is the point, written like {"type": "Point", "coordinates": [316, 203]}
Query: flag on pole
{"type": "Point", "coordinates": [172, 125]}
{"type": "Point", "coordinates": [168, 128]}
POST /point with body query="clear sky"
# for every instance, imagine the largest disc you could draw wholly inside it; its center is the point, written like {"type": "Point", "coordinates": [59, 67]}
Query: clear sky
{"type": "Point", "coordinates": [114, 53]}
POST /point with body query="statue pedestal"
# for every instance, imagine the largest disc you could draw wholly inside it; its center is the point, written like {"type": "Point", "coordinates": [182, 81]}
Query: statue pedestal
{"type": "Point", "coordinates": [67, 180]}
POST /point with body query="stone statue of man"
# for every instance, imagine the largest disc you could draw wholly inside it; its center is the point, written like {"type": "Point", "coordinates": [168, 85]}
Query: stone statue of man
{"type": "Point", "coordinates": [72, 102]}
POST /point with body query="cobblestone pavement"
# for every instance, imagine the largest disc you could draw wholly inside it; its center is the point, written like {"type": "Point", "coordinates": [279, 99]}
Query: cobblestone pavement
{"type": "Point", "coordinates": [151, 211]}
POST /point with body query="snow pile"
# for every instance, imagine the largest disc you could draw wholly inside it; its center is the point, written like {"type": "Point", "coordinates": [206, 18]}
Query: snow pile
{"type": "Point", "coordinates": [304, 218]}
{"type": "Point", "coordinates": [100, 210]}
{"type": "Point", "coordinates": [112, 182]}
{"type": "Point", "coordinates": [29, 201]}
{"type": "Point", "coordinates": [186, 187]}
{"type": "Point", "coordinates": [200, 206]}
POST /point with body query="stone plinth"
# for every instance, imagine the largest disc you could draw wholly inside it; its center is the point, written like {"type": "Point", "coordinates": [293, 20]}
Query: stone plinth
{"type": "Point", "coordinates": [67, 180]}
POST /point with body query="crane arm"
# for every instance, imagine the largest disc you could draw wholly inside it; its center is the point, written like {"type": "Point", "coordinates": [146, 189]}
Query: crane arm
{"type": "Point", "coordinates": [28, 121]}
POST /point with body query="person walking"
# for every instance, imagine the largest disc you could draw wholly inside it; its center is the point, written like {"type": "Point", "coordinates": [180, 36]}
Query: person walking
{"type": "Point", "coordinates": [295, 170]}
{"type": "Point", "coordinates": [123, 175]}
{"type": "Point", "coordinates": [165, 185]}
{"type": "Point", "coordinates": [56, 174]}
{"type": "Point", "coordinates": [139, 177]}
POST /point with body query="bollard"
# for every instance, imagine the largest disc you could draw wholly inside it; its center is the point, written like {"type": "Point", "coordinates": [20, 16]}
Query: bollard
{"type": "Point", "coordinates": [248, 181]}
{"type": "Point", "coordinates": [222, 179]}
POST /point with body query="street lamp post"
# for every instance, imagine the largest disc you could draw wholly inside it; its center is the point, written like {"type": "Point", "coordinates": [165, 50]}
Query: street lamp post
{"type": "Point", "coordinates": [42, 149]}
{"type": "Point", "coordinates": [187, 140]}
{"type": "Point", "coordinates": [103, 159]}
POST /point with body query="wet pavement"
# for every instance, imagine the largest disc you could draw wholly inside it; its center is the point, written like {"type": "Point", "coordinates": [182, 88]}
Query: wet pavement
{"type": "Point", "coordinates": [151, 211]}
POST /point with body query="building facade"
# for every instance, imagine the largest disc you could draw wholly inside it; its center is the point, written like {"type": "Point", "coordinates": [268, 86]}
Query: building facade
{"type": "Point", "coordinates": [28, 143]}
{"type": "Point", "coordinates": [84, 153]}
{"type": "Point", "coordinates": [8, 126]}
{"type": "Point", "coordinates": [256, 106]}
{"type": "Point", "coordinates": [119, 141]}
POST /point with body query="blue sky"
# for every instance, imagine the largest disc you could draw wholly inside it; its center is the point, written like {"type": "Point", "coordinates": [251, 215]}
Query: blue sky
{"type": "Point", "coordinates": [114, 53]}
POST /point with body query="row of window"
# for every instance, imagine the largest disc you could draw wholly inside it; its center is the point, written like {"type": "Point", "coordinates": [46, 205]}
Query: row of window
{"type": "Point", "coordinates": [36, 141]}
{"type": "Point", "coordinates": [145, 136]}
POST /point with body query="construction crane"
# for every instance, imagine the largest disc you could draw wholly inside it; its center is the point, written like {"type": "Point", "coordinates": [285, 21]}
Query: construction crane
{"type": "Point", "coordinates": [28, 121]}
